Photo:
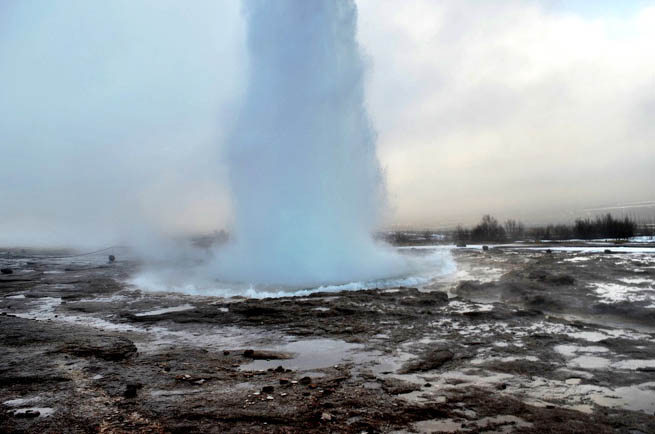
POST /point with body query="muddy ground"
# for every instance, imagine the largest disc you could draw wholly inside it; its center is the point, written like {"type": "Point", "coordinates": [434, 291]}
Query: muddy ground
{"type": "Point", "coordinates": [516, 340]}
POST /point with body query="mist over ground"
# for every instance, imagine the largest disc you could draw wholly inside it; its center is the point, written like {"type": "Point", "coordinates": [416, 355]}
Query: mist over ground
{"type": "Point", "coordinates": [111, 119]}
{"type": "Point", "coordinates": [114, 115]}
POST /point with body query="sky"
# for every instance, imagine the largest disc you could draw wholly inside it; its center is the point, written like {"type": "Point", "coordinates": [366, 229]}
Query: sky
{"type": "Point", "coordinates": [113, 114]}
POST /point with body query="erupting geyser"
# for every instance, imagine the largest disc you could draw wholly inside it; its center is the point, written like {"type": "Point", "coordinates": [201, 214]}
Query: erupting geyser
{"type": "Point", "coordinates": [306, 183]}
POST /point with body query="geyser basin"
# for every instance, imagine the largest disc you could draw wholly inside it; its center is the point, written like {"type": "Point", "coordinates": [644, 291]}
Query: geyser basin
{"type": "Point", "coordinates": [169, 277]}
{"type": "Point", "coordinates": [306, 183]}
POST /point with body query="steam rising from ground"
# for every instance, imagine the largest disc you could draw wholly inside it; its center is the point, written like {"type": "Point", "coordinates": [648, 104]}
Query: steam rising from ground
{"type": "Point", "coordinates": [306, 183]}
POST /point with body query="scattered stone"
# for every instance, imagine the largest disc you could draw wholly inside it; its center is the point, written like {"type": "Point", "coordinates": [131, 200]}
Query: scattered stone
{"type": "Point", "coordinates": [279, 369]}
{"type": "Point", "coordinates": [112, 258]}
{"type": "Point", "coordinates": [270, 398]}
{"type": "Point", "coordinates": [131, 390]}
{"type": "Point", "coordinates": [226, 353]}
{"type": "Point", "coordinates": [6, 271]}
{"type": "Point", "coordinates": [485, 248]}
{"type": "Point", "coordinates": [267, 389]}
{"type": "Point", "coordinates": [326, 416]}
{"type": "Point", "coordinates": [305, 380]}
{"type": "Point", "coordinates": [284, 381]}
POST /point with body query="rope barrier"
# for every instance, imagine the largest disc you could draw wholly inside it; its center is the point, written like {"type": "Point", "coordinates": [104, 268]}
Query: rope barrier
{"type": "Point", "coordinates": [82, 254]}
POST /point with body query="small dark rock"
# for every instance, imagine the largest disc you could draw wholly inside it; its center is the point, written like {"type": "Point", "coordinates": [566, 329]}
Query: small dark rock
{"type": "Point", "coordinates": [485, 248]}
{"type": "Point", "coordinates": [305, 380]}
{"type": "Point", "coordinates": [112, 258]}
{"type": "Point", "coordinates": [267, 389]}
{"type": "Point", "coordinates": [427, 385]}
{"type": "Point", "coordinates": [131, 390]}
{"type": "Point", "coordinates": [6, 271]}
{"type": "Point", "coordinates": [607, 251]}
{"type": "Point", "coordinates": [226, 353]}
{"type": "Point", "coordinates": [279, 369]}
{"type": "Point", "coordinates": [265, 355]}
{"type": "Point", "coordinates": [27, 414]}
{"type": "Point", "coordinates": [284, 381]}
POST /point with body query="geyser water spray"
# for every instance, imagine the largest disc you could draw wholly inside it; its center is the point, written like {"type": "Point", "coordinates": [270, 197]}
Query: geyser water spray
{"type": "Point", "coordinates": [305, 179]}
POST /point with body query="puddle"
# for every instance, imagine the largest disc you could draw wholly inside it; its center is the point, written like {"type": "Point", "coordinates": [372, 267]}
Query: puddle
{"type": "Point", "coordinates": [499, 424]}
{"type": "Point", "coordinates": [438, 425]}
{"type": "Point", "coordinates": [577, 259]}
{"type": "Point", "coordinates": [166, 310]}
{"type": "Point", "coordinates": [615, 293]}
{"type": "Point", "coordinates": [589, 362]}
{"type": "Point", "coordinates": [457, 306]}
{"type": "Point", "coordinates": [311, 354]}
{"type": "Point", "coordinates": [636, 280]}
{"type": "Point", "coordinates": [639, 397]}
{"type": "Point", "coordinates": [634, 364]}
{"type": "Point", "coordinates": [43, 411]}
{"type": "Point", "coordinates": [572, 350]}
{"type": "Point", "coordinates": [573, 393]}
{"type": "Point", "coordinates": [21, 401]}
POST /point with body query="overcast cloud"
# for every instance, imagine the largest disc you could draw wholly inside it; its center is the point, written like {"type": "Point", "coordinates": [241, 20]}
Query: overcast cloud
{"type": "Point", "coordinates": [518, 108]}
{"type": "Point", "coordinates": [112, 113]}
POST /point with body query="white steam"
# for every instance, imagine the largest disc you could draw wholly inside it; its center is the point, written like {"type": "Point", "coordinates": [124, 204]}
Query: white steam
{"type": "Point", "coordinates": [306, 182]}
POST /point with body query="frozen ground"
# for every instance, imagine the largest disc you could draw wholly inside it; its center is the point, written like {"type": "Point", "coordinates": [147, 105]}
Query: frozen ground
{"type": "Point", "coordinates": [516, 339]}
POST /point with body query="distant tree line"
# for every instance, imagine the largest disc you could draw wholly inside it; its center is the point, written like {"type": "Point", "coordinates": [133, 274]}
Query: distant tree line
{"type": "Point", "coordinates": [607, 226]}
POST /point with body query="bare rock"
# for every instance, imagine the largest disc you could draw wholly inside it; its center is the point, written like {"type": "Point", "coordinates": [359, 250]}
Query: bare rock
{"type": "Point", "coordinates": [396, 386]}
{"type": "Point", "coordinates": [432, 359]}
{"type": "Point", "coordinates": [113, 348]}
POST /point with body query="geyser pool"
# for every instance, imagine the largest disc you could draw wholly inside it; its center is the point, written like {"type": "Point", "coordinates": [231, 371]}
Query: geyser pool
{"type": "Point", "coordinates": [306, 183]}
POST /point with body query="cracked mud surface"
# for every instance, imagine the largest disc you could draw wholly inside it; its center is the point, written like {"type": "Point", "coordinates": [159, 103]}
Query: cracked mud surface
{"type": "Point", "coordinates": [515, 341]}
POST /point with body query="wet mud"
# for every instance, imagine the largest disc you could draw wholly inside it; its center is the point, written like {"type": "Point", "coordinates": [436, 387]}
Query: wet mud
{"type": "Point", "coordinates": [516, 340]}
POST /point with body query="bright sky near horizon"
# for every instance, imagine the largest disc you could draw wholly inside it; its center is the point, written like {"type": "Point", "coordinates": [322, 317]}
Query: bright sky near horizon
{"type": "Point", "coordinates": [536, 110]}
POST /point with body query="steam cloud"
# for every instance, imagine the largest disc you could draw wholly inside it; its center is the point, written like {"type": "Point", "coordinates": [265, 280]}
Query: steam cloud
{"type": "Point", "coordinates": [306, 183]}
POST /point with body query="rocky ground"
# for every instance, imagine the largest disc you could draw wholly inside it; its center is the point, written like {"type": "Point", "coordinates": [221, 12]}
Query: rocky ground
{"type": "Point", "coordinates": [518, 340]}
